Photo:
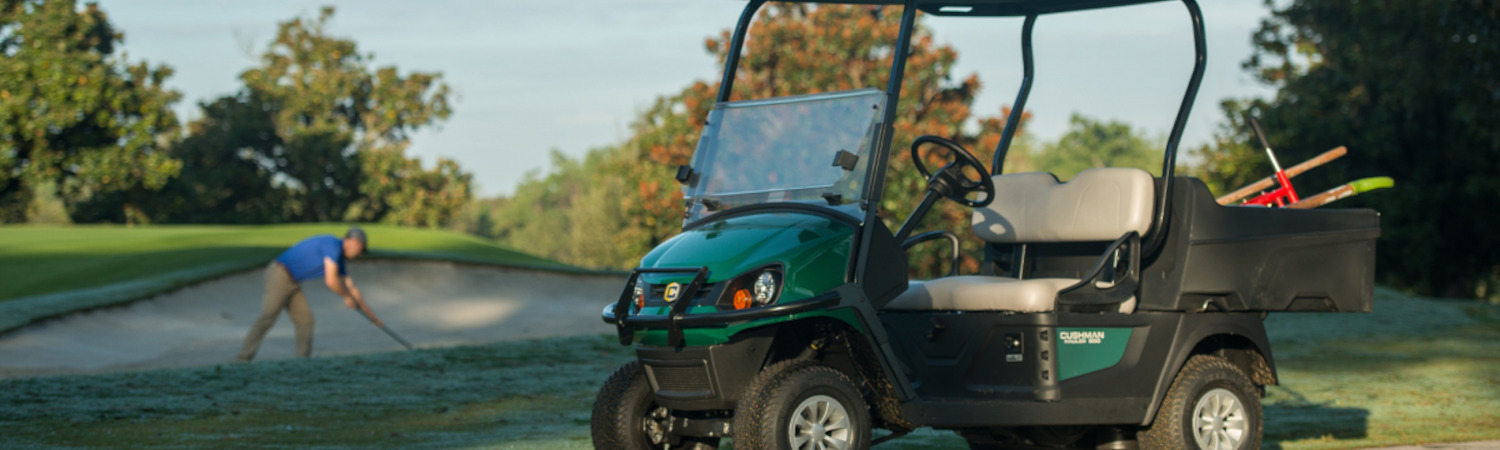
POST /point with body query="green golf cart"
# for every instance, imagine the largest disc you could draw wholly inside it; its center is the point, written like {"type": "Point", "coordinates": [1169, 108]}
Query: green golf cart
{"type": "Point", "coordinates": [1115, 310]}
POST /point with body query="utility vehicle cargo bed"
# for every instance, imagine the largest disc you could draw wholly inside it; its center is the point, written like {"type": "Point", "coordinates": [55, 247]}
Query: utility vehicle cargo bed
{"type": "Point", "coordinates": [1234, 258]}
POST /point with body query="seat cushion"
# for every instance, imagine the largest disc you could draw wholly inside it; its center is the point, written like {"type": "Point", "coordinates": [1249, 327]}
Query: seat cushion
{"type": "Point", "coordinates": [982, 293]}
{"type": "Point", "coordinates": [1096, 205]}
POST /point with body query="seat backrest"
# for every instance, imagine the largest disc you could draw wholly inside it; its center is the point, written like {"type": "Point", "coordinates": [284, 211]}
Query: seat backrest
{"type": "Point", "coordinates": [1097, 205]}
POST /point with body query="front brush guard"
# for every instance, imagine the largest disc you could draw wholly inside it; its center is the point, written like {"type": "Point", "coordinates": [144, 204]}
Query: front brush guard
{"type": "Point", "coordinates": [677, 317]}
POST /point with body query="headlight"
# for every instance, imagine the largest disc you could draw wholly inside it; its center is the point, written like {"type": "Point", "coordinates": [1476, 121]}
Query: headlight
{"type": "Point", "coordinates": [759, 287]}
{"type": "Point", "coordinates": [765, 287]}
{"type": "Point", "coordinates": [640, 296]}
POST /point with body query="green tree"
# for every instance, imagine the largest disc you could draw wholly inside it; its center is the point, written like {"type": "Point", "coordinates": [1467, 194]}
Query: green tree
{"type": "Point", "coordinates": [319, 134]}
{"type": "Point", "coordinates": [572, 213]}
{"type": "Point", "coordinates": [220, 181]}
{"type": "Point", "coordinates": [73, 113]}
{"type": "Point", "coordinates": [1231, 160]}
{"type": "Point", "coordinates": [479, 215]}
{"type": "Point", "coordinates": [1410, 87]}
{"type": "Point", "coordinates": [1091, 144]}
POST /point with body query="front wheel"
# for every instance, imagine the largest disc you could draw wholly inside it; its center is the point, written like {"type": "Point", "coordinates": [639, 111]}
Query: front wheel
{"type": "Point", "coordinates": [626, 416]}
{"type": "Point", "coordinates": [802, 405]}
{"type": "Point", "coordinates": [1212, 405]}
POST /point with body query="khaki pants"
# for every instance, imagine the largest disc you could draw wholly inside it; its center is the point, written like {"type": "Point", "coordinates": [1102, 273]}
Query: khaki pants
{"type": "Point", "coordinates": [281, 293]}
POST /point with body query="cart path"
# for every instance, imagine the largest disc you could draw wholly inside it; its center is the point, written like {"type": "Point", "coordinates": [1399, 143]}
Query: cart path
{"type": "Point", "coordinates": [429, 303]}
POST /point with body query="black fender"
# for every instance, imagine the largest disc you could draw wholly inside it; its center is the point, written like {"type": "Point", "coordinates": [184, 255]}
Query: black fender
{"type": "Point", "coordinates": [1225, 334]}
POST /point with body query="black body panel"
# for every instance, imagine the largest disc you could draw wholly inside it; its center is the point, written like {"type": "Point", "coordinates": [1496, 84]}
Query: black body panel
{"type": "Point", "coordinates": [705, 378]}
{"type": "Point", "coordinates": [885, 272]}
{"type": "Point", "coordinates": [951, 355]}
{"type": "Point", "coordinates": [963, 379]}
{"type": "Point", "coordinates": [1234, 258]}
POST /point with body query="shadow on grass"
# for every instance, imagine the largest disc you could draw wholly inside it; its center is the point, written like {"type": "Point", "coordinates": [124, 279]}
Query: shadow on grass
{"type": "Point", "coordinates": [1300, 420]}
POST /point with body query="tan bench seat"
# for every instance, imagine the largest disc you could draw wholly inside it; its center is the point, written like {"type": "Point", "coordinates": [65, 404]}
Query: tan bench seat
{"type": "Point", "coordinates": [1097, 205]}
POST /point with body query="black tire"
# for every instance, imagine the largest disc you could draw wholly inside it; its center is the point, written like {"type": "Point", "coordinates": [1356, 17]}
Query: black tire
{"type": "Point", "coordinates": [1210, 385]}
{"type": "Point", "coordinates": [621, 415]}
{"type": "Point", "coordinates": [795, 391]}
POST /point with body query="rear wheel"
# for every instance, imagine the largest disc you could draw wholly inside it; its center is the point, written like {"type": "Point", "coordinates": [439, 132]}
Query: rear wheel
{"type": "Point", "coordinates": [802, 405]}
{"type": "Point", "coordinates": [1212, 405]}
{"type": "Point", "coordinates": [626, 416]}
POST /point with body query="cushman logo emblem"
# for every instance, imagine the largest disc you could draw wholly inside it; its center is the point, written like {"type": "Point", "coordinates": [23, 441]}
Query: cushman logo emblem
{"type": "Point", "coordinates": [673, 291]}
{"type": "Point", "coordinates": [1081, 337]}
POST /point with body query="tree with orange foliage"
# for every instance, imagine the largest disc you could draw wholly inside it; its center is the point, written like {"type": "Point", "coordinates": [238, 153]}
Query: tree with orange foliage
{"type": "Point", "coordinates": [791, 49]}
{"type": "Point", "coordinates": [795, 49]}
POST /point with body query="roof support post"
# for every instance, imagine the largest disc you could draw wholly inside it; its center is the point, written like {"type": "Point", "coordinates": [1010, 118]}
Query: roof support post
{"type": "Point", "coordinates": [1157, 236]}
{"type": "Point", "coordinates": [737, 46]}
{"type": "Point", "coordinates": [1018, 109]}
{"type": "Point", "coordinates": [881, 154]}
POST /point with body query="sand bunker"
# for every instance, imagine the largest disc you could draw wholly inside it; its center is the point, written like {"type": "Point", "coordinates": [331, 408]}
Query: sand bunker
{"type": "Point", "coordinates": [430, 304]}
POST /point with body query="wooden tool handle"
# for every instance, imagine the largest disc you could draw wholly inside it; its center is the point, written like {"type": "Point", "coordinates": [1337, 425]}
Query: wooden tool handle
{"type": "Point", "coordinates": [1328, 196]}
{"type": "Point", "coordinates": [1355, 187]}
{"type": "Point", "coordinates": [1267, 182]}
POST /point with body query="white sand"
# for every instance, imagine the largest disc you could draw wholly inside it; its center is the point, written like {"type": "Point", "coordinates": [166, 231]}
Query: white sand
{"type": "Point", "coordinates": [430, 304]}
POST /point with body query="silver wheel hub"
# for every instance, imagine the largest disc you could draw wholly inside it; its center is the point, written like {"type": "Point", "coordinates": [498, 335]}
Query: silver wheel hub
{"type": "Point", "coordinates": [820, 423]}
{"type": "Point", "coordinates": [1219, 420]}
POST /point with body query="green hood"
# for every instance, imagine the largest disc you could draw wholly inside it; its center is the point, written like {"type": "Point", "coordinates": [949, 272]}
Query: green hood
{"type": "Point", "coordinates": [813, 250]}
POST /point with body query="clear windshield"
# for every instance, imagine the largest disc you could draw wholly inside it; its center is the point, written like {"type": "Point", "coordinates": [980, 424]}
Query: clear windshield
{"type": "Point", "coordinates": [810, 148]}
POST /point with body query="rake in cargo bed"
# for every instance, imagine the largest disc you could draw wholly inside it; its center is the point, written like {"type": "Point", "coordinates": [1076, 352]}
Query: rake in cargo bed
{"type": "Point", "coordinates": [1285, 194]}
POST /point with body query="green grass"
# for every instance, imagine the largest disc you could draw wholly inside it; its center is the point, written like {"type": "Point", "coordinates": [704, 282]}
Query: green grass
{"type": "Point", "coordinates": [54, 270]}
{"type": "Point", "coordinates": [527, 394]}
{"type": "Point", "coordinates": [47, 259]}
{"type": "Point", "coordinates": [1415, 371]}
{"type": "Point", "coordinates": [533, 394]}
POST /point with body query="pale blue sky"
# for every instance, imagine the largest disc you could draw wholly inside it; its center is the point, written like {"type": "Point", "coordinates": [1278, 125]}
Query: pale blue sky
{"type": "Point", "coordinates": [531, 76]}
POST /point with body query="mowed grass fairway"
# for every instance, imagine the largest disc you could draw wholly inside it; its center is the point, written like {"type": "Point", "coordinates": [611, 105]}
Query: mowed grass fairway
{"type": "Point", "coordinates": [1415, 371]}
{"type": "Point", "coordinates": [48, 259]}
{"type": "Point", "coordinates": [533, 394]}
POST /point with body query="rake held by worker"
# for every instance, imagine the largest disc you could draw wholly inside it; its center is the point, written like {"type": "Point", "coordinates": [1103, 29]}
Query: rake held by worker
{"type": "Point", "coordinates": [387, 331]}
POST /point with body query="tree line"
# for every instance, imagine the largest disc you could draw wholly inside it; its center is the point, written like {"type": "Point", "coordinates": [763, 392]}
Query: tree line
{"type": "Point", "coordinates": [316, 132]}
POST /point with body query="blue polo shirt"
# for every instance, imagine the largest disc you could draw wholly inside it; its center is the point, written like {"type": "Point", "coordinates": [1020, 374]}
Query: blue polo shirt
{"type": "Point", "coordinates": [305, 260]}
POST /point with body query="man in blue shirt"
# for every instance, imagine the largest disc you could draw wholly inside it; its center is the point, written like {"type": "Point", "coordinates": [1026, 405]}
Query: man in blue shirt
{"type": "Point", "coordinates": [315, 257]}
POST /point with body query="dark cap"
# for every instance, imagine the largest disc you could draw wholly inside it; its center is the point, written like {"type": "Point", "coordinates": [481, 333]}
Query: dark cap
{"type": "Point", "coordinates": [359, 235]}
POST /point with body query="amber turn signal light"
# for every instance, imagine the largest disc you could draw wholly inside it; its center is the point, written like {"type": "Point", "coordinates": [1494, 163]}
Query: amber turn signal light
{"type": "Point", "coordinates": [742, 299]}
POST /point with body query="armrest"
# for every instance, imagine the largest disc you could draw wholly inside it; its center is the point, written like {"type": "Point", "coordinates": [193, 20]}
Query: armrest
{"type": "Point", "coordinates": [1095, 294]}
{"type": "Point", "coordinates": [930, 235]}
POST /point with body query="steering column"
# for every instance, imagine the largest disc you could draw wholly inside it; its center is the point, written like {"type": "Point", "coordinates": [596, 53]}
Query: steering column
{"type": "Point", "coordinates": [948, 182]}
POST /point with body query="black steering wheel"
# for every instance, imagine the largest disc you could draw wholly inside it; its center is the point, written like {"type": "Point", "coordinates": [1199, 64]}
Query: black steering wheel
{"type": "Point", "coordinates": [949, 181]}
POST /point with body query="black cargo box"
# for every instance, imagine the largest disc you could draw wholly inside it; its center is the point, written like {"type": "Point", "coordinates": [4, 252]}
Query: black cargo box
{"type": "Point", "coordinates": [1234, 258]}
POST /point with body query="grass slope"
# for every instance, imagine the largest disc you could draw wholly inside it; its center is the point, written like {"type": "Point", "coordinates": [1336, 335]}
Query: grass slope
{"type": "Point", "coordinates": [52, 270]}
{"type": "Point", "coordinates": [46, 259]}
{"type": "Point", "coordinates": [1415, 371]}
